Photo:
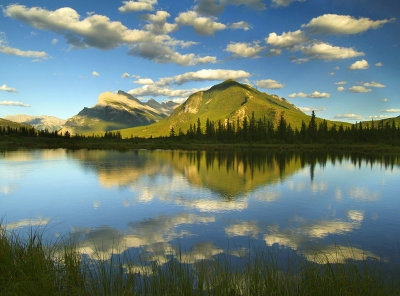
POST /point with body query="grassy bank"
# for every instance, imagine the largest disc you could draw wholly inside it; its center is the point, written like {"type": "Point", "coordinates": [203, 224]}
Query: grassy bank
{"type": "Point", "coordinates": [28, 267]}
{"type": "Point", "coordinates": [16, 142]}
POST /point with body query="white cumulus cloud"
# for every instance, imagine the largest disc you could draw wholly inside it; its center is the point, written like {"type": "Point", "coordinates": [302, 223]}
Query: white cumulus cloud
{"type": "Point", "coordinates": [157, 91]}
{"type": "Point", "coordinates": [158, 23]}
{"type": "Point", "coordinates": [340, 88]}
{"type": "Point", "coordinates": [8, 89]}
{"type": "Point", "coordinates": [203, 25]}
{"type": "Point", "coordinates": [95, 74]}
{"type": "Point", "coordinates": [379, 64]}
{"type": "Point", "coordinates": [374, 84]}
{"type": "Point", "coordinates": [341, 83]}
{"type": "Point", "coordinates": [319, 50]}
{"type": "Point", "coordinates": [13, 103]}
{"type": "Point", "coordinates": [4, 48]}
{"type": "Point", "coordinates": [204, 75]}
{"type": "Point", "coordinates": [246, 50]}
{"type": "Point", "coordinates": [359, 65]}
{"type": "Point", "coordinates": [135, 6]}
{"type": "Point", "coordinates": [125, 75]}
{"type": "Point", "coordinates": [385, 100]}
{"type": "Point", "coordinates": [100, 32]}
{"type": "Point", "coordinates": [269, 84]}
{"type": "Point", "coordinates": [391, 110]}
{"type": "Point", "coordinates": [349, 116]}
{"type": "Point", "coordinates": [240, 25]}
{"type": "Point", "coordinates": [359, 89]}
{"type": "Point", "coordinates": [286, 39]}
{"type": "Point", "coordinates": [313, 95]}
{"type": "Point", "coordinates": [342, 24]}
{"type": "Point", "coordinates": [144, 81]}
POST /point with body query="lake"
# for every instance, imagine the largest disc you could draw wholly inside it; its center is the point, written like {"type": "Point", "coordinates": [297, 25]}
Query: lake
{"type": "Point", "coordinates": [206, 203]}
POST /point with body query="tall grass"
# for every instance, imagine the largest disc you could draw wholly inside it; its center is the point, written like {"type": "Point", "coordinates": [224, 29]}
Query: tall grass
{"type": "Point", "coordinates": [29, 267]}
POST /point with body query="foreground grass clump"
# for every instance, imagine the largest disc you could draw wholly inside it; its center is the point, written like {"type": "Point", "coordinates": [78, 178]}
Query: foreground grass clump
{"type": "Point", "coordinates": [28, 267]}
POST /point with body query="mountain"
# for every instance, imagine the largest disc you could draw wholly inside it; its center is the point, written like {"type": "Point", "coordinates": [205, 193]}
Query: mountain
{"type": "Point", "coordinates": [5, 123]}
{"type": "Point", "coordinates": [42, 122]}
{"type": "Point", "coordinates": [396, 120]}
{"type": "Point", "coordinates": [228, 100]}
{"type": "Point", "coordinates": [116, 111]}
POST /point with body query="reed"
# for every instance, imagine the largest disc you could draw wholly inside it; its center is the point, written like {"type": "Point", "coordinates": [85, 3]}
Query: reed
{"type": "Point", "coordinates": [30, 267]}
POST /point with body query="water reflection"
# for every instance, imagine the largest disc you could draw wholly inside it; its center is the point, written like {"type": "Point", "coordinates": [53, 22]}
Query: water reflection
{"type": "Point", "coordinates": [154, 201]}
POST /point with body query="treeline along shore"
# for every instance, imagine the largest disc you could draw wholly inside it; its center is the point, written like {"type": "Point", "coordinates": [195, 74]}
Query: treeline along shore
{"type": "Point", "coordinates": [256, 133]}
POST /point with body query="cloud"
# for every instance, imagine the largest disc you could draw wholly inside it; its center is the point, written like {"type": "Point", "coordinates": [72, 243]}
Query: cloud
{"type": "Point", "coordinates": [95, 74]}
{"type": "Point", "coordinates": [8, 89]}
{"type": "Point", "coordinates": [144, 81]}
{"type": "Point", "coordinates": [313, 95]}
{"type": "Point", "coordinates": [359, 89]}
{"type": "Point", "coordinates": [214, 7]}
{"type": "Point", "coordinates": [379, 64]}
{"type": "Point", "coordinates": [287, 39]}
{"type": "Point", "coordinates": [245, 50]}
{"type": "Point", "coordinates": [135, 6]}
{"type": "Point", "coordinates": [349, 116]}
{"type": "Point", "coordinates": [340, 88]}
{"type": "Point", "coordinates": [374, 84]}
{"type": "Point", "coordinates": [202, 25]}
{"type": "Point", "coordinates": [204, 75]}
{"type": "Point", "coordinates": [100, 32]}
{"type": "Point", "coordinates": [54, 41]}
{"type": "Point", "coordinates": [342, 24]}
{"type": "Point", "coordinates": [157, 91]}
{"type": "Point", "coordinates": [13, 103]}
{"type": "Point", "coordinates": [249, 229]}
{"type": "Point", "coordinates": [27, 222]}
{"type": "Point", "coordinates": [310, 109]}
{"type": "Point", "coordinates": [4, 48]}
{"type": "Point", "coordinates": [160, 53]}
{"type": "Point", "coordinates": [284, 2]}
{"type": "Point", "coordinates": [319, 50]}
{"type": "Point", "coordinates": [158, 23]}
{"type": "Point", "coordinates": [391, 111]}
{"type": "Point", "coordinates": [125, 75]}
{"type": "Point", "coordinates": [363, 194]}
{"type": "Point", "coordinates": [385, 100]}
{"type": "Point", "coordinates": [331, 73]}
{"type": "Point", "coordinates": [359, 65]}
{"type": "Point", "coordinates": [341, 83]}
{"type": "Point", "coordinates": [268, 83]}
{"type": "Point", "coordinates": [240, 25]}
{"type": "Point", "coordinates": [379, 117]}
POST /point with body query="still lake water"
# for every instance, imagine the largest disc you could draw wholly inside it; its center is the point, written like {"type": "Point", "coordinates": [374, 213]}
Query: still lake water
{"type": "Point", "coordinates": [206, 203]}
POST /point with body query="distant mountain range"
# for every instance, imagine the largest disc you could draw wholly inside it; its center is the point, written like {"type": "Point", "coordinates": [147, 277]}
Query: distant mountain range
{"type": "Point", "coordinates": [228, 100]}
{"type": "Point", "coordinates": [117, 111]}
{"type": "Point", "coordinates": [42, 122]}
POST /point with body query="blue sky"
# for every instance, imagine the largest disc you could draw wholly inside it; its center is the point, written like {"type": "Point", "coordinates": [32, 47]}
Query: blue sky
{"type": "Point", "coordinates": [338, 57]}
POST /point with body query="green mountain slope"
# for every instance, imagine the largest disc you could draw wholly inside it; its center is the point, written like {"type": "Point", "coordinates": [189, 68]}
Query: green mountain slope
{"type": "Point", "coordinates": [396, 120]}
{"type": "Point", "coordinates": [115, 111]}
{"type": "Point", "coordinates": [228, 100]}
{"type": "Point", "coordinates": [5, 123]}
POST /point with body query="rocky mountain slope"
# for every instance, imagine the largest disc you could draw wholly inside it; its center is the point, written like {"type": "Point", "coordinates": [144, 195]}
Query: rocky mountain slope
{"type": "Point", "coordinates": [42, 122]}
{"type": "Point", "coordinates": [116, 111]}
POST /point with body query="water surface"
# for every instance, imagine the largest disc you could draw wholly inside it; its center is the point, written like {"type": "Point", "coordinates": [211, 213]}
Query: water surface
{"type": "Point", "coordinates": [207, 203]}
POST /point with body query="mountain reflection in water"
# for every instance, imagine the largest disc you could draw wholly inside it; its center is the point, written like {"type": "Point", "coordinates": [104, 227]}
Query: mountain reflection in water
{"type": "Point", "coordinates": [208, 203]}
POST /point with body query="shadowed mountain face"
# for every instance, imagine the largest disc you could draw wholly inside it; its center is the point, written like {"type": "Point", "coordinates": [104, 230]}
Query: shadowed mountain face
{"type": "Point", "coordinates": [42, 122]}
{"type": "Point", "coordinates": [229, 100]}
{"type": "Point", "coordinates": [116, 111]}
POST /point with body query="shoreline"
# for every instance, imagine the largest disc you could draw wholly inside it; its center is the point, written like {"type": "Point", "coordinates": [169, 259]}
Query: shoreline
{"type": "Point", "coordinates": [13, 143]}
